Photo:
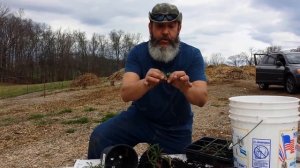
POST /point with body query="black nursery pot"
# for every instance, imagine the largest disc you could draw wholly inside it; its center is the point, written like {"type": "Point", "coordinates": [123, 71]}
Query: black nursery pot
{"type": "Point", "coordinates": [119, 156]}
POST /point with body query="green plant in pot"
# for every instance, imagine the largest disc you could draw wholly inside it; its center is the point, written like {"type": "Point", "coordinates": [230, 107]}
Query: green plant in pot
{"type": "Point", "coordinates": [153, 158]}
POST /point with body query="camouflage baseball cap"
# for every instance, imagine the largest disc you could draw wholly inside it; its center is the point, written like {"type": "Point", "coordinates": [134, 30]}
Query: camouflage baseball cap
{"type": "Point", "coordinates": [165, 12]}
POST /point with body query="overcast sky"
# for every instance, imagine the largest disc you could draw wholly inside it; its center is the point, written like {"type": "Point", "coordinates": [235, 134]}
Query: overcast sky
{"type": "Point", "coordinates": [228, 27]}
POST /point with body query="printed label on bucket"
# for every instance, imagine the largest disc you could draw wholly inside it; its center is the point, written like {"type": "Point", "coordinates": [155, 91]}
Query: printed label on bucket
{"type": "Point", "coordinates": [261, 152]}
{"type": "Point", "coordinates": [287, 148]}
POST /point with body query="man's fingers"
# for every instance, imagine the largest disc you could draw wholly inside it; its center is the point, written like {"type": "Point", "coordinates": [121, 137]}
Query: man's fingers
{"type": "Point", "coordinates": [151, 81]}
{"type": "Point", "coordinates": [146, 83]}
{"type": "Point", "coordinates": [155, 73]}
{"type": "Point", "coordinates": [172, 77]}
{"type": "Point", "coordinates": [184, 78]}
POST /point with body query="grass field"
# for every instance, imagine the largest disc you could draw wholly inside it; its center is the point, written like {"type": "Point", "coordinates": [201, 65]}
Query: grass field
{"type": "Point", "coordinates": [7, 91]}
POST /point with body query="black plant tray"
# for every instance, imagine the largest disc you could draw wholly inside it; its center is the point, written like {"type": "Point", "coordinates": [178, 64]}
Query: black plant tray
{"type": "Point", "coordinates": [210, 151]}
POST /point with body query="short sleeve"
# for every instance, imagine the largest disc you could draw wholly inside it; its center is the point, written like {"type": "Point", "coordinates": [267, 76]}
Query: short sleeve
{"type": "Point", "coordinates": [132, 64]}
{"type": "Point", "coordinates": [197, 69]}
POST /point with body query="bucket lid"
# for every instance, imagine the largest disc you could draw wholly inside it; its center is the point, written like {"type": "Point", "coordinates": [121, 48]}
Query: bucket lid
{"type": "Point", "coordinates": [266, 120]}
{"type": "Point", "coordinates": [264, 99]}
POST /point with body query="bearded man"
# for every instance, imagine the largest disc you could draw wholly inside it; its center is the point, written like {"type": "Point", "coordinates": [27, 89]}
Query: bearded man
{"type": "Point", "coordinates": [163, 77]}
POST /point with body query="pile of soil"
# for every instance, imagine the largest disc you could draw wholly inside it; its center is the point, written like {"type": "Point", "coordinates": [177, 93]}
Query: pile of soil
{"type": "Point", "coordinates": [223, 73]}
{"type": "Point", "coordinates": [87, 79]}
{"type": "Point", "coordinates": [117, 75]}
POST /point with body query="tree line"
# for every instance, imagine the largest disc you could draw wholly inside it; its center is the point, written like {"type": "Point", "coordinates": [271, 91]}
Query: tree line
{"type": "Point", "coordinates": [32, 52]}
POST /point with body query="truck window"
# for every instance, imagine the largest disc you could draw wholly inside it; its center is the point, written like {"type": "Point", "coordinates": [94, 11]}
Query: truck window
{"type": "Point", "coordinates": [281, 59]}
{"type": "Point", "coordinates": [268, 60]}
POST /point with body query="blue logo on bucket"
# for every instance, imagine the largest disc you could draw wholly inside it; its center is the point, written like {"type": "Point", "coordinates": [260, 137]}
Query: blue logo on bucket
{"type": "Point", "coordinates": [243, 151]}
{"type": "Point", "coordinates": [261, 152]}
{"type": "Point", "coordinates": [261, 149]}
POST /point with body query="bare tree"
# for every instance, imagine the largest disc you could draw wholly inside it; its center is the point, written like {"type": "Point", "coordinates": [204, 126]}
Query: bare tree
{"type": "Point", "coordinates": [296, 49]}
{"type": "Point", "coordinates": [81, 53]}
{"type": "Point", "coordinates": [4, 10]}
{"type": "Point", "coordinates": [216, 59]}
{"type": "Point", "coordinates": [93, 47]}
{"type": "Point", "coordinates": [250, 58]}
{"type": "Point", "coordinates": [273, 49]}
{"type": "Point", "coordinates": [115, 37]}
{"type": "Point", "coordinates": [129, 41]}
{"type": "Point", "coordinates": [238, 60]}
{"type": "Point", "coordinates": [64, 43]}
{"type": "Point", "coordinates": [206, 61]}
{"type": "Point", "coordinates": [104, 65]}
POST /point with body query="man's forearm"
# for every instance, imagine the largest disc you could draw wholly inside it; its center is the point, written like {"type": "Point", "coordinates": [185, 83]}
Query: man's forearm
{"type": "Point", "coordinates": [133, 91]}
{"type": "Point", "coordinates": [196, 95]}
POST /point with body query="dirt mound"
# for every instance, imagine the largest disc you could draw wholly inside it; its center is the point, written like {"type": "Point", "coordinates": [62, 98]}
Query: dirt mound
{"type": "Point", "coordinates": [223, 73]}
{"type": "Point", "coordinates": [117, 75]}
{"type": "Point", "coordinates": [87, 79]}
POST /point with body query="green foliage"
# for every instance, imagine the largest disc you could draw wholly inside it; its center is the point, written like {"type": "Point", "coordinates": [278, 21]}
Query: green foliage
{"type": "Point", "coordinates": [7, 121]}
{"type": "Point", "coordinates": [17, 90]}
{"type": "Point", "coordinates": [82, 120]}
{"type": "Point", "coordinates": [108, 116]}
{"type": "Point", "coordinates": [67, 110]}
{"type": "Point", "coordinates": [89, 109]}
{"type": "Point", "coordinates": [36, 116]}
{"type": "Point", "coordinates": [154, 154]}
{"type": "Point", "coordinates": [43, 122]}
{"type": "Point", "coordinates": [155, 158]}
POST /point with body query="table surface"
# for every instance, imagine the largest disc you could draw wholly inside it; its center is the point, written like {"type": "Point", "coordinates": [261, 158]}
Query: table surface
{"type": "Point", "coordinates": [92, 162]}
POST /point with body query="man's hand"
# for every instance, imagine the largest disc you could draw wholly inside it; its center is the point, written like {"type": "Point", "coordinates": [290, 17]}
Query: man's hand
{"type": "Point", "coordinates": [153, 77]}
{"type": "Point", "coordinates": [180, 80]}
{"type": "Point", "coordinates": [195, 92]}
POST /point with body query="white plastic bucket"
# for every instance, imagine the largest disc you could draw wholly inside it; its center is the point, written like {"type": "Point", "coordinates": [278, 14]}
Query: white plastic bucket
{"type": "Point", "coordinates": [264, 131]}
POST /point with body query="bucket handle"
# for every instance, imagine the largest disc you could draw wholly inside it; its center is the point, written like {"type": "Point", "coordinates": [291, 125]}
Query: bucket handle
{"type": "Point", "coordinates": [241, 140]}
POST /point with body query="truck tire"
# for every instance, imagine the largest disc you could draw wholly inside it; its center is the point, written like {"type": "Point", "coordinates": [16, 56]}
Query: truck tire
{"type": "Point", "coordinates": [263, 86]}
{"type": "Point", "coordinates": [290, 85]}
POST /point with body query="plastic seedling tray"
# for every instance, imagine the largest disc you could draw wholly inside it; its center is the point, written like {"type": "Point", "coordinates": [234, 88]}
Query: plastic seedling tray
{"type": "Point", "coordinates": [210, 151]}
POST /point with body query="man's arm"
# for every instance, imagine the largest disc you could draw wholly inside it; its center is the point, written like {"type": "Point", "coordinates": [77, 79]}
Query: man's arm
{"type": "Point", "coordinates": [195, 92]}
{"type": "Point", "coordinates": [134, 88]}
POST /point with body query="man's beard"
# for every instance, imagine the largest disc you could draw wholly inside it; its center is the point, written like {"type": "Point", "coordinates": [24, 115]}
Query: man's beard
{"type": "Point", "coordinates": [162, 54]}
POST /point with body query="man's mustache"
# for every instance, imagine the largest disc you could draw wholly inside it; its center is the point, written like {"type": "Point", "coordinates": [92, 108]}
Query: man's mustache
{"type": "Point", "coordinates": [165, 39]}
{"type": "Point", "coordinates": [171, 42]}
